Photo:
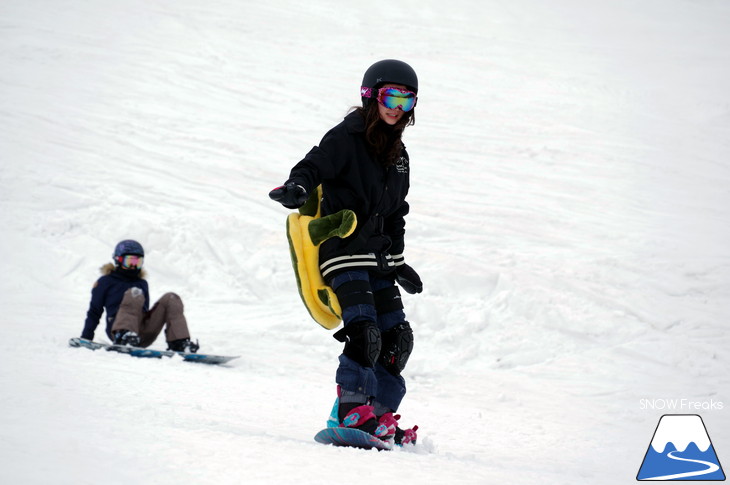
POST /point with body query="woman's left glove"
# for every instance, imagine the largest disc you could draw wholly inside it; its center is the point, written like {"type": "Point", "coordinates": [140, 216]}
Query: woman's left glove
{"type": "Point", "coordinates": [408, 279]}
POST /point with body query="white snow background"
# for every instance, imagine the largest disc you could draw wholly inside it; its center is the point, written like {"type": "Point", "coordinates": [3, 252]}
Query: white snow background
{"type": "Point", "coordinates": [570, 205]}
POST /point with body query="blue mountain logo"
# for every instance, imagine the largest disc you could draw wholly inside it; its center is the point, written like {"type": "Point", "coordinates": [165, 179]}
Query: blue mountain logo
{"type": "Point", "coordinates": [681, 450]}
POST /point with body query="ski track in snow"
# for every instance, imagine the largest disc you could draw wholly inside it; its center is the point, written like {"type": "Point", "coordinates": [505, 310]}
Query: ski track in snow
{"type": "Point", "coordinates": [569, 209]}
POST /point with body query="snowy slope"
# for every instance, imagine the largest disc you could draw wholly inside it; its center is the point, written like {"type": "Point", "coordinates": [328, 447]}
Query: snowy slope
{"type": "Point", "coordinates": [569, 218]}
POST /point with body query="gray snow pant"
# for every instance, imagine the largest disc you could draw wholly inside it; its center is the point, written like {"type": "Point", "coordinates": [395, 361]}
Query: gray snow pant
{"type": "Point", "coordinates": [167, 312]}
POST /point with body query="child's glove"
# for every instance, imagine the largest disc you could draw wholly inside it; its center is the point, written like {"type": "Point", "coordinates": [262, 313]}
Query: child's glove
{"type": "Point", "coordinates": [408, 279]}
{"type": "Point", "coordinates": [291, 195]}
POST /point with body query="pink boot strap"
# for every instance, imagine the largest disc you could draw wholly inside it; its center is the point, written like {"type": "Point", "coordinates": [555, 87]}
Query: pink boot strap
{"type": "Point", "coordinates": [409, 435]}
{"type": "Point", "coordinates": [358, 416]}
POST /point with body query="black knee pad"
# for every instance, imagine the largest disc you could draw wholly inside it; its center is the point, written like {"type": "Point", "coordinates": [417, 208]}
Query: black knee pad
{"type": "Point", "coordinates": [397, 348]}
{"type": "Point", "coordinates": [362, 342]}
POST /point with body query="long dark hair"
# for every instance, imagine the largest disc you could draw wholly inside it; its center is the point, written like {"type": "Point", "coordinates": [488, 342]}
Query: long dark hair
{"type": "Point", "coordinates": [384, 141]}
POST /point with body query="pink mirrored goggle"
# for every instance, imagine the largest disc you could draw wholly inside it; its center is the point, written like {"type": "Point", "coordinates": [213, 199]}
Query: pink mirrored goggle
{"type": "Point", "coordinates": [392, 98]}
{"type": "Point", "coordinates": [130, 261]}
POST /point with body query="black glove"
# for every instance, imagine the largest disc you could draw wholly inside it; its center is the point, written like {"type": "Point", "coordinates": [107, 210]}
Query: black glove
{"type": "Point", "coordinates": [408, 279]}
{"type": "Point", "coordinates": [291, 195]}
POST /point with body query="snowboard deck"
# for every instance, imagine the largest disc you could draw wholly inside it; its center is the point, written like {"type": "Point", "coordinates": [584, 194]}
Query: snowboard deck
{"type": "Point", "coordinates": [151, 353]}
{"type": "Point", "coordinates": [351, 437]}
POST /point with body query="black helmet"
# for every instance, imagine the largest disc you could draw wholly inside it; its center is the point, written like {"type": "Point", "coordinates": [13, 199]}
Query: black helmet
{"type": "Point", "coordinates": [128, 246]}
{"type": "Point", "coordinates": [387, 71]}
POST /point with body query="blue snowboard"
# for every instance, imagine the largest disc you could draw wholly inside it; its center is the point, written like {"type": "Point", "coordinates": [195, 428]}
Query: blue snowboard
{"type": "Point", "coordinates": [142, 352]}
{"type": "Point", "coordinates": [350, 437]}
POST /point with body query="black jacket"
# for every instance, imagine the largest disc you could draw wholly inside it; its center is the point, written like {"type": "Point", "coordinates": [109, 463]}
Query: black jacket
{"type": "Point", "coordinates": [351, 179]}
{"type": "Point", "coordinates": [107, 294]}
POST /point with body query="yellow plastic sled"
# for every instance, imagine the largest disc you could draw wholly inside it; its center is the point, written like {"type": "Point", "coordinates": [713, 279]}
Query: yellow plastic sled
{"type": "Point", "coordinates": [305, 231]}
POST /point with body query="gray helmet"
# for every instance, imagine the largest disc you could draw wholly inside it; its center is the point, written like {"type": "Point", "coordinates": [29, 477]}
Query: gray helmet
{"type": "Point", "coordinates": [387, 71]}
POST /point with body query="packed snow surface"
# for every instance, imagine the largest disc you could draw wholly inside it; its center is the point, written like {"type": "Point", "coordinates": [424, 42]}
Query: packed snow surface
{"type": "Point", "coordinates": [570, 219]}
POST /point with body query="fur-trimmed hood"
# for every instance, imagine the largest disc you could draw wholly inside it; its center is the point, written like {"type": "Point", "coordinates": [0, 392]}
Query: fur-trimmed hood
{"type": "Point", "coordinates": [109, 268]}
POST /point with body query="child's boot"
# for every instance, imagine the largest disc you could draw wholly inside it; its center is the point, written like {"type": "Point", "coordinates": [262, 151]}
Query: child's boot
{"type": "Point", "coordinates": [353, 411]}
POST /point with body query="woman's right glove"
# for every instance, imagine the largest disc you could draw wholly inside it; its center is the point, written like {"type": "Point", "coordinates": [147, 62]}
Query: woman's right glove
{"type": "Point", "coordinates": [290, 195]}
{"type": "Point", "coordinates": [408, 279]}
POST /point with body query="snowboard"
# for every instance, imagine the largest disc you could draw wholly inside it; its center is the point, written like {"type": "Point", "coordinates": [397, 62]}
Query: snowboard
{"type": "Point", "coordinates": [151, 353]}
{"type": "Point", "coordinates": [351, 437]}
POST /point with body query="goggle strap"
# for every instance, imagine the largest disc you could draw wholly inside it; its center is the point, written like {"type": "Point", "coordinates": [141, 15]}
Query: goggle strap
{"type": "Point", "coordinates": [366, 92]}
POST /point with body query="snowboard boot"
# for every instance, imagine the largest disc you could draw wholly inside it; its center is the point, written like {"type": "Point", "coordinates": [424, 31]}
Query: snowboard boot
{"type": "Point", "coordinates": [183, 345]}
{"type": "Point", "coordinates": [361, 416]}
{"type": "Point", "coordinates": [355, 412]}
{"type": "Point", "coordinates": [126, 337]}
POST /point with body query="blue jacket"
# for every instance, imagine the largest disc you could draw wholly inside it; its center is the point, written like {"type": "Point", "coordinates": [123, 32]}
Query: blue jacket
{"type": "Point", "coordinates": [107, 294]}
